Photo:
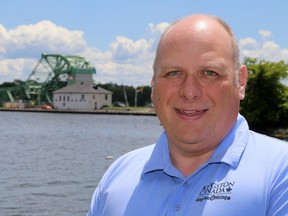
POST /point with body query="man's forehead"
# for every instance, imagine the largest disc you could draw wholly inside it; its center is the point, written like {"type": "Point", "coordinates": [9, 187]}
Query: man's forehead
{"type": "Point", "coordinates": [194, 25]}
{"type": "Point", "coordinates": [201, 25]}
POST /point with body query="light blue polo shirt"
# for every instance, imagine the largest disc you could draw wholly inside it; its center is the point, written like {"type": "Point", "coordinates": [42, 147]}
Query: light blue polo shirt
{"type": "Point", "coordinates": [246, 175]}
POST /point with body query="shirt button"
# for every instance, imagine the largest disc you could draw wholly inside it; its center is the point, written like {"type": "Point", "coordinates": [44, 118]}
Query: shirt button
{"type": "Point", "coordinates": [177, 207]}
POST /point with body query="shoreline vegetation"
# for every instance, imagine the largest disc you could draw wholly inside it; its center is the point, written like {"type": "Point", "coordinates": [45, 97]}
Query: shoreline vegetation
{"type": "Point", "coordinates": [280, 133]}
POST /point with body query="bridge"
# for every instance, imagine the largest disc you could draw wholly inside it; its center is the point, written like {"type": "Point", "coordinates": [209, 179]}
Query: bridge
{"type": "Point", "coordinates": [52, 72]}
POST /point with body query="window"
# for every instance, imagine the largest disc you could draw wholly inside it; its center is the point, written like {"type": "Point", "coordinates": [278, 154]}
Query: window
{"type": "Point", "coordinates": [82, 98]}
{"type": "Point", "coordinates": [106, 97]}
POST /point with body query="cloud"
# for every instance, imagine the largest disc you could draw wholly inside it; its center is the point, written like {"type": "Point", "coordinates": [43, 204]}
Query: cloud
{"type": "Point", "coordinates": [127, 61]}
{"type": "Point", "coordinates": [31, 40]}
{"type": "Point", "coordinates": [248, 43]}
{"type": "Point", "coordinates": [11, 69]}
{"type": "Point", "coordinates": [263, 49]}
{"type": "Point", "coordinates": [3, 39]}
{"type": "Point", "coordinates": [21, 47]}
{"type": "Point", "coordinates": [159, 28]}
{"type": "Point", "coordinates": [125, 49]}
{"type": "Point", "coordinates": [265, 33]}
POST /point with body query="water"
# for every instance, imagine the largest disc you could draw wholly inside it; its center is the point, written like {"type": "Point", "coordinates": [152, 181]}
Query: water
{"type": "Point", "coordinates": [51, 163]}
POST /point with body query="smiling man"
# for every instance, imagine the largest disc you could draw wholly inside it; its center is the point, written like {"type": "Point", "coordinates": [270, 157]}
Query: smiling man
{"type": "Point", "coordinates": [207, 161]}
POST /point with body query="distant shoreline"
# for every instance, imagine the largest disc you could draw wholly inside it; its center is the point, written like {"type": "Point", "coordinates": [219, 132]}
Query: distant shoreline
{"type": "Point", "coordinates": [143, 112]}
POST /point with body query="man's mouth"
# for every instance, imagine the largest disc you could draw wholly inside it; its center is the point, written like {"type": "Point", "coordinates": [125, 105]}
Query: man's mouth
{"type": "Point", "coordinates": [191, 112]}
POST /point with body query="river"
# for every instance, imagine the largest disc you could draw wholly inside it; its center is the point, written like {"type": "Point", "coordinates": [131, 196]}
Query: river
{"type": "Point", "coordinates": [51, 163]}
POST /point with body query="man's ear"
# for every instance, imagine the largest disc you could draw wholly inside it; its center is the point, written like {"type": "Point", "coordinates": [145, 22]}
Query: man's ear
{"type": "Point", "coordinates": [243, 76]}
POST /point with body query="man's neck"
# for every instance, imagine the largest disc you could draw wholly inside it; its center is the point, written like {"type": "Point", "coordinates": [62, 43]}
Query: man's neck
{"type": "Point", "coordinates": [186, 162]}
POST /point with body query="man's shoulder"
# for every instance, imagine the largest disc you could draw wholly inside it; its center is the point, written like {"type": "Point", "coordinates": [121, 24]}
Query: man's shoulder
{"type": "Point", "coordinates": [140, 154]}
{"type": "Point", "coordinates": [269, 146]}
{"type": "Point", "coordinates": [268, 141]}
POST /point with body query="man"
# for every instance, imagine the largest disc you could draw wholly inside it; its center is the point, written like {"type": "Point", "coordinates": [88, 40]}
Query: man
{"type": "Point", "coordinates": [206, 162]}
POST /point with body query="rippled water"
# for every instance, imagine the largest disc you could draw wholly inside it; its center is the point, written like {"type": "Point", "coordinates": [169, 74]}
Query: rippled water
{"type": "Point", "coordinates": [51, 163]}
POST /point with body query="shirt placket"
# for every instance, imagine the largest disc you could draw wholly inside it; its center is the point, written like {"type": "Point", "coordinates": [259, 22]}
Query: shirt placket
{"type": "Point", "coordinates": [177, 202]}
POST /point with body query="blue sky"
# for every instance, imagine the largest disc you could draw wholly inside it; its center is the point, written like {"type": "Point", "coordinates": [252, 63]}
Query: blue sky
{"type": "Point", "coordinates": [119, 37]}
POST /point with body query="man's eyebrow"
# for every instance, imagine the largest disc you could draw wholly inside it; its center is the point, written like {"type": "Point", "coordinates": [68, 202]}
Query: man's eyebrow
{"type": "Point", "coordinates": [216, 64]}
{"type": "Point", "coordinates": [172, 67]}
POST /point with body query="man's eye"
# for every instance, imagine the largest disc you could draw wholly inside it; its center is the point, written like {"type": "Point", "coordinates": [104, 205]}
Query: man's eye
{"type": "Point", "coordinates": [210, 73]}
{"type": "Point", "coordinates": [173, 73]}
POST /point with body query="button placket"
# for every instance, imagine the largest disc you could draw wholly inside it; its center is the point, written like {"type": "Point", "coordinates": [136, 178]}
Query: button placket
{"type": "Point", "coordinates": [177, 202]}
{"type": "Point", "coordinates": [177, 207]}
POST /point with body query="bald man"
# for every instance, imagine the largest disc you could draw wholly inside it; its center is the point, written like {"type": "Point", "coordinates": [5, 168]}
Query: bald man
{"type": "Point", "coordinates": [206, 161]}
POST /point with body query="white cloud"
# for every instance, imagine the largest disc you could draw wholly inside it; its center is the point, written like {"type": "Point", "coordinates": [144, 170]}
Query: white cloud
{"type": "Point", "coordinates": [131, 61]}
{"type": "Point", "coordinates": [264, 49]}
{"type": "Point", "coordinates": [265, 33]}
{"type": "Point", "coordinates": [125, 49]}
{"type": "Point", "coordinates": [159, 28]}
{"type": "Point", "coordinates": [45, 36]}
{"type": "Point", "coordinates": [248, 43]}
{"type": "Point", "coordinates": [21, 48]}
{"type": "Point", "coordinates": [19, 68]}
{"type": "Point", "coordinates": [3, 39]}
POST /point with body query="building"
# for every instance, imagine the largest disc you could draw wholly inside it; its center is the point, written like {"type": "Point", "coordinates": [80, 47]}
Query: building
{"type": "Point", "coordinates": [81, 97]}
{"type": "Point", "coordinates": [80, 94]}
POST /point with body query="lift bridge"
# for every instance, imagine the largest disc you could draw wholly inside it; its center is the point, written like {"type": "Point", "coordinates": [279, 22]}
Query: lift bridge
{"type": "Point", "coordinates": [51, 73]}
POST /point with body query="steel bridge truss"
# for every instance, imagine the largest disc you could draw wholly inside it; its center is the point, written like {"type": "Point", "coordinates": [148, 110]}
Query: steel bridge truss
{"type": "Point", "coordinates": [52, 72]}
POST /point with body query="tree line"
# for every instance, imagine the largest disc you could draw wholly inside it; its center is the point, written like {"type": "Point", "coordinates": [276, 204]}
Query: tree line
{"type": "Point", "coordinates": [266, 101]}
{"type": "Point", "coordinates": [265, 104]}
{"type": "Point", "coordinates": [126, 94]}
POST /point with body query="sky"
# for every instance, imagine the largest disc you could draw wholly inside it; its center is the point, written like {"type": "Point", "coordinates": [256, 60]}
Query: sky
{"type": "Point", "coordinates": [119, 37]}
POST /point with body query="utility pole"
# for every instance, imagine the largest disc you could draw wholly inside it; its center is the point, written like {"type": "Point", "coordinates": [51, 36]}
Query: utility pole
{"type": "Point", "coordinates": [135, 104]}
{"type": "Point", "coordinates": [125, 96]}
{"type": "Point", "coordinates": [136, 91]}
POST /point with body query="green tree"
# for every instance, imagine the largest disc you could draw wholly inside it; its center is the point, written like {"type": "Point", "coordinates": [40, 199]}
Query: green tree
{"type": "Point", "coordinates": [143, 97]}
{"type": "Point", "coordinates": [266, 101]}
{"type": "Point", "coordinates": [16, 88]}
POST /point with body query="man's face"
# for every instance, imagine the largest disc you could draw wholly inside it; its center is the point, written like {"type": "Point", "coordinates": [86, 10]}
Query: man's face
{"type": "Point", "coordinates": [193, 89]}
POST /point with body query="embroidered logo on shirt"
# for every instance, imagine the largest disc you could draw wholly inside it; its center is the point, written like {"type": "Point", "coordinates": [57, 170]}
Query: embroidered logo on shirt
{"type": "Point", "coordinates": [216, 191]}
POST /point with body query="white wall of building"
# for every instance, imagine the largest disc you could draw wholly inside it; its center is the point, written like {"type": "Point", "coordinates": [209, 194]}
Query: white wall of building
{"type": "Point", "coordinates": [81, 79]}
{"type": "Point", "coordinates": [79, 101]}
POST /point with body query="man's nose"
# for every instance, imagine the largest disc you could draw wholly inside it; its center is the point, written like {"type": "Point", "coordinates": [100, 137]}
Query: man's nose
{"type": "Point", "coordinates": [190, 88]}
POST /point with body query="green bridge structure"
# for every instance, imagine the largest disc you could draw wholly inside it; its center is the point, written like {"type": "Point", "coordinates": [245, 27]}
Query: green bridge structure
{"type": "Point", "coordinates": [52, 72]}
